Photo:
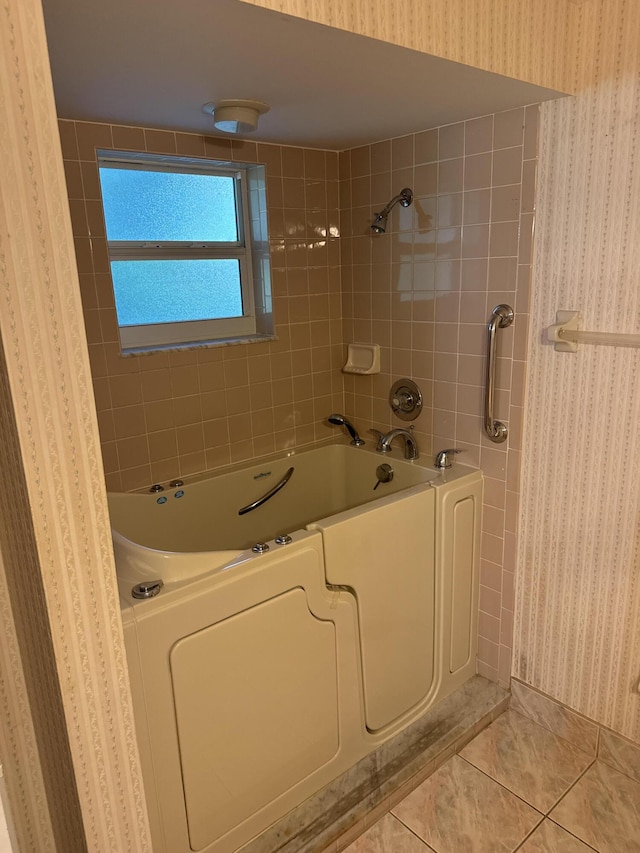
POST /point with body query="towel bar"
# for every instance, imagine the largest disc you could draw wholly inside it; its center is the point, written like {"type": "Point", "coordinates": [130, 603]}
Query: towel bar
{"type": "Point", "coordinates": [566, 334]}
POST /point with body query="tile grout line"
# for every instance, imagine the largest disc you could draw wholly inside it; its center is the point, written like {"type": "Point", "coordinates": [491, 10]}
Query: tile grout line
{"type": "Point", "coordinates": [571, 786]}
{"type": "Point", "coordinates": [564, 793]}
{"type": "Point", "coordinates": [504, 787]}
{"type": "Point", "coordinates": [534, 830]}
{"type": "Point", "coordinates": [537, 827]}
{"type": "Point", "coordinates": [573, 835]}
{"type": "Point", "coordinates": [413, 832]}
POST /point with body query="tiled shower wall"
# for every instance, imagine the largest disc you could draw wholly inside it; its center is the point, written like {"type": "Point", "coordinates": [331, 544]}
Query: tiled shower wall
{"type": "Point", "coordinates": [167, 414]}
{"type": "Point", "coordinates": [425, 290]}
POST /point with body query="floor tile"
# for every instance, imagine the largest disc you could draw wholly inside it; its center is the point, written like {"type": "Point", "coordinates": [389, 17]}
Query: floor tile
{"type": "Point", "coordinates": [461, 810]}
{"type": "Point", "coordinates": [603, 809]}
{"type": "Point", "coordinates": [388, 835]}
{"type": "Point", "coordinates": [550, 838]}
{"type": "Point", "coordinates": [579, 731]}
{"type": "Point", "coordinates": [620, 754]}
{"type": "Point", "coordinates": [527, 759]}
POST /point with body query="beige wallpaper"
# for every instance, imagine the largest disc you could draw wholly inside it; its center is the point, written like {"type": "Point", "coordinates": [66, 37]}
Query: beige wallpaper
{"type": "Point", "coordinates": [534, 40]}
{"type": "Point", "coordinates": [170, 414]}
{"type": "Point", "coordinates": [40, 693]}
{"type": "Point", "coordinates": [29, 809]}
{"type": "Point", "coordinates": [73, 594]}
{"type": "Point", "coordinates": [578, 602]}
{"type": "Point", "coordinates": [424, 291]}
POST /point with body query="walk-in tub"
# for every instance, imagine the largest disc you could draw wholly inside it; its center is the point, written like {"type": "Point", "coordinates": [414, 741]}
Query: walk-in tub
{"type": "Point", "coordinates": [259, 677]}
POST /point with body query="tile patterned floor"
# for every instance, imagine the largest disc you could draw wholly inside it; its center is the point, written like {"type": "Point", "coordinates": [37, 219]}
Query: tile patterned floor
{"type": "Point", "coordinates": [516, 786]}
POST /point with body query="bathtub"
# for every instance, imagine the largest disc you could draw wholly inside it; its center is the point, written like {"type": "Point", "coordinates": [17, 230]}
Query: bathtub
{"type": "Point", "coordinates": [181, 533]}
{"type": "Point", "coordinates": [258, 678]}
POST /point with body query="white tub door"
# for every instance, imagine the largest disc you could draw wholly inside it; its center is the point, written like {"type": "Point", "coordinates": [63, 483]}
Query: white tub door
{"type": "Point", "coordinates": [385, 552]}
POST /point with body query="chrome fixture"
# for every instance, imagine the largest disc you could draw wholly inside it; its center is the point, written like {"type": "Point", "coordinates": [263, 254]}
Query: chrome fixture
{"type": "Point", "coordinates": [175, 484]}
{"type": "Point", "coordinates": [235, 116]}
{"type": "Point", "coordinates": [260, 548]}
{"type": "Point", "coordinates": [273, 491]}
{"type": "Point", "coordinates": [283, 539]}
{"type": "Point", "coordinates": [442, 459]}
{"type": "Point", "coordinates": [384, 474]}
{"type": "Point", "coordinates": [384, 442]}
{"type": "Point", "coordinates": [157, 487]}
{"type": "Point", "coordinates": [147, 589]}
{"type": "Point", "coordinates": [405, 398]}
{"type": "Point", "coordinates": [340, 420]}
{"type": "Point", "coordinates": [404, 197]}
{"type": "Point", "coordinates": [501, 317]}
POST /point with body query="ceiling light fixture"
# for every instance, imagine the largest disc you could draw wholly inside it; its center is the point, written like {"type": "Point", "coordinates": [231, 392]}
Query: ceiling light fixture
{"type": "Point", "coordinates": [235, 116]}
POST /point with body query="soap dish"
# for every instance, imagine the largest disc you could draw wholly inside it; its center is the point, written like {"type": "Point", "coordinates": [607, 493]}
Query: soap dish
{"type": "Point", "coordinates": [363, 359]}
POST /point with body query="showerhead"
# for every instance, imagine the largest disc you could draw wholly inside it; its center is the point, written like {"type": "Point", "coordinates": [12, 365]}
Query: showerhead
{"type": "Point", "coordinates": [340, 420]}
{"type": "Point", "coordinates": [379, 224]}
{"type": "Point", "coordinates": [337, 420]}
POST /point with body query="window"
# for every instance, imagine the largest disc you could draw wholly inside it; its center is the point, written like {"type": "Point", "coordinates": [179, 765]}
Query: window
{"type": "Point", "coordinates": [178, 235]}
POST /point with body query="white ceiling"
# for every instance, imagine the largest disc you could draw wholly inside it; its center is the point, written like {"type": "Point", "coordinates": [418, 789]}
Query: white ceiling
{"type": "Point", "coordinates": [155, 62]}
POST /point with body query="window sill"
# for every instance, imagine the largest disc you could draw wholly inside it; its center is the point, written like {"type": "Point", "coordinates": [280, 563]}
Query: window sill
{"type": "Point", "coordinates": [222, 342]}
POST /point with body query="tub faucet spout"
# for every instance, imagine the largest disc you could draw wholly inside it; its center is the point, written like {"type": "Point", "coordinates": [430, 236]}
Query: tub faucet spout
{"type": "Point", "coordinates": [340, 420]}
{"type": "Point", "coordinates": [410, 444]}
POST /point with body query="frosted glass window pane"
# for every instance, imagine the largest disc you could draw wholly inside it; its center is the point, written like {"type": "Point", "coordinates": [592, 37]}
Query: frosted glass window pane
{"type": "Point", "coordinates": [175, 291]}
{"type": "Point", "coordinates": [154, 206]}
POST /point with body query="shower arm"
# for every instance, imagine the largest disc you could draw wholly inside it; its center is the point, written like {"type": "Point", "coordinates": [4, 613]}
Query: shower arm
{"type": "Point", "coordinates": [404, 197]}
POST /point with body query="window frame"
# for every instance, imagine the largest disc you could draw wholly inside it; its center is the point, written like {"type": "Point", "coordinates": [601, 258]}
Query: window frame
{"type": "Point", "coordinates": [188, 332]}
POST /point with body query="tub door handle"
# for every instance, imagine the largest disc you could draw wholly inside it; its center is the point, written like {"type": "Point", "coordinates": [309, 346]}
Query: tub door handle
{"type": "Point", "coordinates": [273, 491]}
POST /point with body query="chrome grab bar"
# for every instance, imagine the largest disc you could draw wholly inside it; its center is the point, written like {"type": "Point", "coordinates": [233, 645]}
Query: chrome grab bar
{"type": "Point", "coordinates": [501, 317]}
{"type": "Point", "coordinates": [273, 491]}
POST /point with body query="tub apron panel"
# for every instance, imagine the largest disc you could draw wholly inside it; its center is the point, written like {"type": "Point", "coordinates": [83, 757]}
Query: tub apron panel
{"type": "Point", "coordinates": [250, 680]}
{"type": "Point", "coordinates": [459, 523]}
{"type": "Point", "coordinates": [275, 664]}
{"type": "Point", "coordinates": [386, 555]}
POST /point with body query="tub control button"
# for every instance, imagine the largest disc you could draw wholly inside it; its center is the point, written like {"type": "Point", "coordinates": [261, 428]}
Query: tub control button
{"type": "Point", "coordinates": [260, 548]}
{"type": "Point", "coordinates": [147, 589]}
{"type": "Point", "coordinates": [285, 539]}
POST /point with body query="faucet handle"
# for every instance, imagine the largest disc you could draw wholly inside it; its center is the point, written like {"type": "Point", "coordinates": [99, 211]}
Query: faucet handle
{"type": "Point", "coordinates": [442, 458]}
{"type": "Point", "coordinates": [380, 437]}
